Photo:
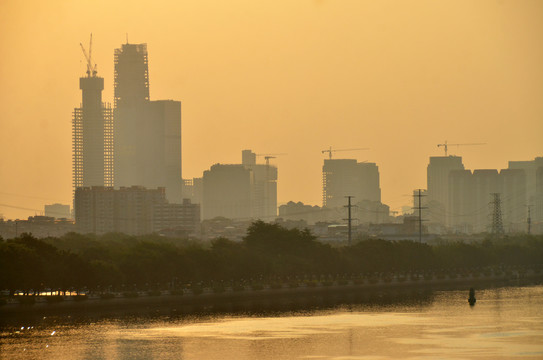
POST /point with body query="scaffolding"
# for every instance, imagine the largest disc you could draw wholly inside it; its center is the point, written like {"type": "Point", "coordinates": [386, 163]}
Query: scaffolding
{"type": "Point", "coordinates": [79, 149]}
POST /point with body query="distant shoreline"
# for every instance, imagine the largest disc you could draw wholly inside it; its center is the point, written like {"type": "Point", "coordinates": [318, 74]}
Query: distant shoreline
{"type": "Point", "coordinates": [251, 300]}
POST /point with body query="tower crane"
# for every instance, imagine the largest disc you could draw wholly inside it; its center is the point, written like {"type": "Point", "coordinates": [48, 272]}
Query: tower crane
{"type": "Point", "coordinates": [91, 68]}
{"type": "Point", "coordinates": [446, 145]}
{"type": "Point", "coordinates": [270, 156]}
{"type": "Point", "coordinates": [330, 151]}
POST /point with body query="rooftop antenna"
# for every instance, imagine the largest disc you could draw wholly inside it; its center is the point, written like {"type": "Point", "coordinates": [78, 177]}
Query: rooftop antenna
{"type": "Point", "coordinates": [91, 68]}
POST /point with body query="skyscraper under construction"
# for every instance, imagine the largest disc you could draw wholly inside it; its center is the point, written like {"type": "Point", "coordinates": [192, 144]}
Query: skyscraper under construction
{"type": "Point", "coordinates": [147, 133]}
{"type": "Point", "coordinates": [92, 133]}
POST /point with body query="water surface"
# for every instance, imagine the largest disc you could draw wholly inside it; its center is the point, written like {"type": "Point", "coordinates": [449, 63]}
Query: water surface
{"type": "Point", "coordinates": [505, 323]}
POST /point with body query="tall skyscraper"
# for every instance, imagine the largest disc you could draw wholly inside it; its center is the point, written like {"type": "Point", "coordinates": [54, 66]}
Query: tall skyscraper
{"type": "Point", "coordinates": [147, 133]}
{"type": "Point", "coordinates": [92, 134]}
{"type": "Point", "coordinates": [347, 177]}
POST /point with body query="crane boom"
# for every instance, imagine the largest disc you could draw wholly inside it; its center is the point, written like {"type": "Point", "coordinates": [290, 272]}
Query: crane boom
{"type": "Point", "coordinates": [446, 145]}
{"type": "Point", "coordinates": [91, 68]}
{"type": "Point", "coordinates": [330, 150]}
{"type": "Point", "coordinates": [268, 159]}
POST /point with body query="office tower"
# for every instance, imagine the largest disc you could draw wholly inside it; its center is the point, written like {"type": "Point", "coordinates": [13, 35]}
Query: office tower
{"type": "Point", "coordinates": [227, 192]}
{"type": "Point", "coordinates": [147, 133]}
{"type": "Point", "coordinates": [438, 185]}
{"type": "Point", "coordinates": [347, 177]}
{"type": "Point", "coordinates": [92, 136]}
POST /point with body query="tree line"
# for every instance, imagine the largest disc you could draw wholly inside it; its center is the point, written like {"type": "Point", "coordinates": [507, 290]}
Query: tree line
{"type": "Point", "coordinates": [268, 252]}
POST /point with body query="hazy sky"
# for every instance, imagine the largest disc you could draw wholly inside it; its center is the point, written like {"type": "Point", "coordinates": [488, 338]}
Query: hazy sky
{"type": "Point", "coordinates": [281, 76]}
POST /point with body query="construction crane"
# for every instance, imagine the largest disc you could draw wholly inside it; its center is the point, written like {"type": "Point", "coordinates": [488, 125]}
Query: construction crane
{"type": "Point", "coordinates": [270, 156]}
{"type": "Point", "coordinates": [330, 151]}
{"type": "Point", "coordinates": [91, 68]}
{"type": "Point", "coordinates": [446, 145]}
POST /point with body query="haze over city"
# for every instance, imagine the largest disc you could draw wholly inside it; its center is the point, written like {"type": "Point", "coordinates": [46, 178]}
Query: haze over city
{"type": "Point", "coordinates": [281, 77]}
{"type": "Point", "coordinates": [271, 179]}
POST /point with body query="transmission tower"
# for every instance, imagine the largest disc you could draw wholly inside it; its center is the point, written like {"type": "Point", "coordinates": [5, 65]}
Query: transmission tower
{"type": "Point", "coordinates": [349, 219]}
{"type": "Point", "coordinates": [497, 223]}
{"type": "Point", "coordinates": [419, 208]}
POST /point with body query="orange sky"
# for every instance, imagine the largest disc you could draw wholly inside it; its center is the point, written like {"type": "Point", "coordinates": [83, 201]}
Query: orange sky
{"type": "Point", "coordinates": [281, 76]}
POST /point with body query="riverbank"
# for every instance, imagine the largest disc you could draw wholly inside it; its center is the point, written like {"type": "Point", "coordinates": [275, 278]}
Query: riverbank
{"type": "Point", "coordinates": [265, 297]}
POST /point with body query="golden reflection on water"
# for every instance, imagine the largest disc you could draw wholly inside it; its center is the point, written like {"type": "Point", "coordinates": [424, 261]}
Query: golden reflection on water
{"type": "Point", "coordinates": [505, 323]}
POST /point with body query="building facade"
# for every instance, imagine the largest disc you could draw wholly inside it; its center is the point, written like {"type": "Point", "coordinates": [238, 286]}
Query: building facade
{"type": "Point", "coordinates": [133, 210]}
{"type": "Point", "coordinates": [471, 199]}
{"type": "Point", "coordinates": [147, 133]}
{"type": "Point", "coordinates": [347, 177]}
{"type": "Point", "coordinates": [227, 192]}
{"type": "Point", "coordinates": [92, 136]}
{"type": "Point", "coordinates": [264, 190]}
{"type": "Point", "coordinates": [437, 174]}
{"type": "Point", "coordinates": [57, 211]}
{"type": "Point", "coordinates": [238, 191]}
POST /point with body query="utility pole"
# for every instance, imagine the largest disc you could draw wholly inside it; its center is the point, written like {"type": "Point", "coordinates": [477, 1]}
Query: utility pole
{"type": "Point", "coordinates": [349, 219]}
{"type": "Point", "coordinates": [529, 219]}
{"type": "Point", "coordinates": [497, 222]}
{"type": "Point", "coordinates": [419, 208]}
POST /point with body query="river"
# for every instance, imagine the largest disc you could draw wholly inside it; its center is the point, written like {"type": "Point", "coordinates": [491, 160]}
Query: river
{"type": "Point", "coordinates": [506, 322]}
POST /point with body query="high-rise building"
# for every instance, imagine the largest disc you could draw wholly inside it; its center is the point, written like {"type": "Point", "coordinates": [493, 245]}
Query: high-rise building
{"type": "Point", "coordinates": [461, 208]}
{"type": "Point", "coordinates": [533, 188]}
{"type": "Point", "coordinates": [92, 136]}
{"type": "Point", "coordinates": [264, 191]}
{"type": "Point", "coordinates": [513, 182]}
{"type": "Point", "coordinates": [438, 185]}
{"type": "Point", "coordinates": [347, 177]}
{"type": "Point", "coordinates": [227, 192]}
{"type": "Point", "coordinates": [239, 191]}
{"type": "Point", "coordinates": [147, 133]}
{"type": "Point", "coordinates": [470, 199]}
{"type": "Point", "coordinates": [485, 183]}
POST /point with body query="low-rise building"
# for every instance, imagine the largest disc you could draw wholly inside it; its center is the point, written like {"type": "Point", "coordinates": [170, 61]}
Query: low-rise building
{"type": "Point", "coordinates": [133, 210]}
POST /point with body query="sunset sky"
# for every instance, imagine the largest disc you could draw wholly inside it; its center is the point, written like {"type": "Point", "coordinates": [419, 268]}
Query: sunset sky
{"type": "Point", "coordinates": [280, 76]}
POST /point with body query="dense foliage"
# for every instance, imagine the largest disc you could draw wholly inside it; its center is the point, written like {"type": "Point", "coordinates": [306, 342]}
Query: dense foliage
{"type": "Point", "coordinates": [267, 252]}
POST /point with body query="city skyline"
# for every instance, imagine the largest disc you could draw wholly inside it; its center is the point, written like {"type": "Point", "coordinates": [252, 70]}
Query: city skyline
{"type": "Point", "coordinates": [400, 92]}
